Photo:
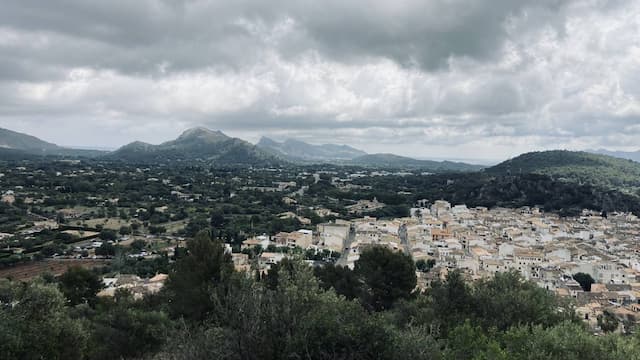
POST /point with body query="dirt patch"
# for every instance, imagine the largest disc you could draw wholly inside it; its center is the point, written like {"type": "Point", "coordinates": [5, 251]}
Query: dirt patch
{"type": "Point", "coordinates": [56, 267]}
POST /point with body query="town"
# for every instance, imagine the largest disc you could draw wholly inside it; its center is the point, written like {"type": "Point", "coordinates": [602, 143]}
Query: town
{"type": "Point", "coordinates": [79, 214]}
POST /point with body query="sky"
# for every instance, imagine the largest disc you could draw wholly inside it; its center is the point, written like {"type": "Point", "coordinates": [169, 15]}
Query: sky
{"type": "Point", "coordinates": [479, 80]}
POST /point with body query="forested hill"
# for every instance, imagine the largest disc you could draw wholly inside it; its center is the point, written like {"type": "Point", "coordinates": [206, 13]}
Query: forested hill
{"type": "Point", "coordinates": [580, 167]}
{"type": "Point", "coordinates": [481, 189]}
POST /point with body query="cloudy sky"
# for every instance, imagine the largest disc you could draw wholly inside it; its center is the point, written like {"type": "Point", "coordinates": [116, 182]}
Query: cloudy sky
{"type": "Point", "coordinates": [458, 79]}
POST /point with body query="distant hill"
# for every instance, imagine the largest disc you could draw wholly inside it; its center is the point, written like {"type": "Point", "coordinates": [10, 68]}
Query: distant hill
{"type": "Point", "coordinates": [16, 145]}
{"type": "Point", "coordinates": [23, 142]}
{"type": "Point", "coordinates": [196, 144]}
{"type": "Point", "coordinates": [299, 150]}
{"type": "Point", "coordinates": [575, 166]}
{"type": "Point", "coordinates": [629, 155]}
{"type": "Point", "coordinates": [396, 161]}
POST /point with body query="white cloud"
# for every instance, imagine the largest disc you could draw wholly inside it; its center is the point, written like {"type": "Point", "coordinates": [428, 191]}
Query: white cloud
{"type": "Point", "coordinates": [409, 77]}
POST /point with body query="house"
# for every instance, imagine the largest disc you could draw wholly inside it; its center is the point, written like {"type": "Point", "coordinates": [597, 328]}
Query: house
{"type": "Point", "coordinates": [262, 240]}
{"type": "Point", "coordinates": [300, 238]}
{"type": "Point", "coordinates": [363, 206]}
{"type": "Point", "coordinates": [333, 235]}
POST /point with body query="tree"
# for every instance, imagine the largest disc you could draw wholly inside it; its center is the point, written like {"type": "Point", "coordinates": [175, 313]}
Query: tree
{"type": "Point", "coordinates": [138, 245]}
{"type": "Point", "coordinates": [449, 302]}
{"type": "Point", "coordinates": [157, 229]}
{"type": "Point", "coordinates": [192, 282]}
{"type": "Point", "coordinates": [60, 218]}
{"type": "Point", "coordinates": [342, 279]}
{"type": "Point", "coordinates": [585, 280]}
{"type": "Point", "coordinates": [469, 342]}
{"type": "Point", "coordinates": [124, 330]}
{"type": "Point", "coordinates": [508, 300]}
{"type": "Point", "coordinates": [38, 325]}
{"type": "Point", "coordinates": [425, 266]}
{"type": "Point", "coordinates": [196, 225]}
{"type": "Point", "coordinates": [108, 235]}
{"type": "Point", "coordinates": [125, 230]}
{"type": "Point", "coordinates": [217, 219]}
{"type": "Point", "coordinates": [608, 322]}
{"type": "Point", "coordinates": [106, 249]}
{"type": "Point", "coordinates": [386, 276]}
{"type": "Point", "coordinates": [80, 285]}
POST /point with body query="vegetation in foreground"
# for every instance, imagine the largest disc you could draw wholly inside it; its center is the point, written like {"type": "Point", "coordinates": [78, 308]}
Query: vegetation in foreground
{"type": "Point", "coordinates": [208, 311]}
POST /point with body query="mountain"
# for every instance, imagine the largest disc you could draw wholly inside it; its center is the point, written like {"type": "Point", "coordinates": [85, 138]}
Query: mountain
{"type": "Point", "coordinates": [15, 146]}
{"type": "Point", "coordinates": [575, 166]}
{"type": "Point", "coordinates": [629, 155]}
{"type": "Point", "coordinates": [23, 142]}
{"type": "Point", "coordinates": [196, 144]}
{"type": "Point", "coordinates": [396, 161]}
{"type": "Point", "coordinates": [299, 150]}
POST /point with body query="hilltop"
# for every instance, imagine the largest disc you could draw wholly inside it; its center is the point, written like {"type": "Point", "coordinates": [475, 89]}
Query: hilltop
{"type": "Point", "coordinates": [575, 166]}
{"type": "Point", "coordinates": [15, 145]}
{"type": "Point", "coordinates": [22, 142]}
{"type": "Point", "coordinates": [196, 144]}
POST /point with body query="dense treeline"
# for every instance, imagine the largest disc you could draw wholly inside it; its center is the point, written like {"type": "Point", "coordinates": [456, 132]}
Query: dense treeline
{"type": "Point", "coordinates": [577, 167]}
{"type": "Point", "coordinates": [483, 189]}
{"type": "Point", "coordinates": [209, 311]}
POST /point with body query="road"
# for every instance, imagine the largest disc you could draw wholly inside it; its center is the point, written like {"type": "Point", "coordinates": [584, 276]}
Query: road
{"type": "Point", "coordinates": [347, 246]}
{"type": "Point", "coordinates": [404, 239]}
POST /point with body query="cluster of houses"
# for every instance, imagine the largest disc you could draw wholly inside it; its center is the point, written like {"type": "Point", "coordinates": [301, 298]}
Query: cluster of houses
{"type": "Point", "coordinates": [544, 248]}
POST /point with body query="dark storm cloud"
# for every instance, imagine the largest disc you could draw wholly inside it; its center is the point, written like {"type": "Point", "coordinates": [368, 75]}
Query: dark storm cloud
{"type": "Point", "coordinates": [140, 36]}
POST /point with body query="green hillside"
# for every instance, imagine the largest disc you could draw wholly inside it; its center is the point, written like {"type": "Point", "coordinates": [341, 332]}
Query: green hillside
{"type": "Point", "coordinates": [580, 167]}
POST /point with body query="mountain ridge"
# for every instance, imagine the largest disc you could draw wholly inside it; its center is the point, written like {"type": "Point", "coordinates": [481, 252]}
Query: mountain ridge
{"type": "Point", "coordinates": [193, 144]}
{"type": "Point", "coordinates": [397, 161]}
{"type": "Point", "coordinates": [629, 155]}
{"type": "Point", "coordinates": [17, 145]}
{"type": "Point", "coordinates": [302, 151]}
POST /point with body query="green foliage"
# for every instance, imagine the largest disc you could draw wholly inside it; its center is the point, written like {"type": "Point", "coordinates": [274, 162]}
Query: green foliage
{"type": "Point", "coordinates": [138, 245]}
{"type": "Point", "coordinates": [35, 324]}
{"type": "Point", "coordinates": [498, 303]}
{"type": "Point", "coordinates": [578, 167]}
{"type": "Point", "coordinates": [106, 249]}
{"type": "Point", "coordinates": [566, 341]}
{"type": "Point", "coordinates": [123, 330]}
{"type": "Point", "coordinates": [386, 276]}
{"type": "Point", "coordinates": [425, 265]}
{"type": "Point", "coordinates": [341, 279]}
{"type": "Point", "coordinates": [471, 342]}
{"type": "Point", "coordinates": [608, 322]}
{"type": "Point", "coordinates": [125, 230]}
{"type": "Point", "coordinates": [80, 285]}
{"type": "Point", "coordinates": [157, 230]}
{"type": "Point", "coordinates": [195, 276]}
{"type": "Point", "coordinates": [585, 280]}
{"type": "Point", "coordinates": [108, 234]}
{"type": "Point", "coordinates": [196, 225]}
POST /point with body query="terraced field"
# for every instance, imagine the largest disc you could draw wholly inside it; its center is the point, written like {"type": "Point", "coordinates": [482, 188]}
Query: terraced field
{"type": "Point", "coordinates": [56, 267]}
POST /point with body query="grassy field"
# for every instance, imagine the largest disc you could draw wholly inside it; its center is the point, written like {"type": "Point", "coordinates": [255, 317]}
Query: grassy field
{"type": "Point", "coordinates": [107, 223]}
